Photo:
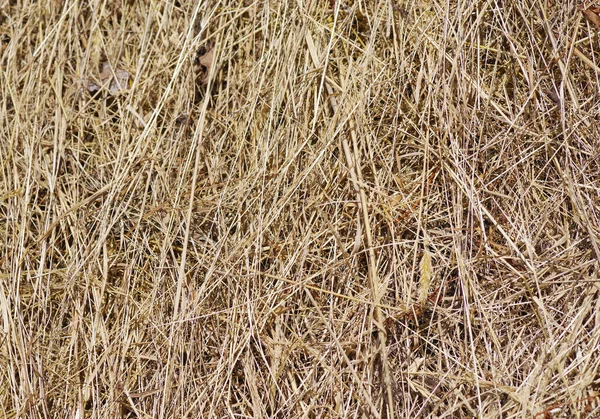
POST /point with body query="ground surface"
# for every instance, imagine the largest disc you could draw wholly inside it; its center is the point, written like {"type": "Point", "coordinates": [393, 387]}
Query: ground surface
{"type": "Point", "coordinates": [299, 209]}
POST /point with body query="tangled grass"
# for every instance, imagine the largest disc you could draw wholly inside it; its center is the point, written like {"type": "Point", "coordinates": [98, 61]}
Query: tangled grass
{"type": "Point", "coordinates": [299, 209]}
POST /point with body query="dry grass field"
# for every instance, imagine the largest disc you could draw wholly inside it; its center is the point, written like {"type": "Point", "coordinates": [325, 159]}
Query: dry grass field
{"type": "Point", "coordinates": [299, 209]}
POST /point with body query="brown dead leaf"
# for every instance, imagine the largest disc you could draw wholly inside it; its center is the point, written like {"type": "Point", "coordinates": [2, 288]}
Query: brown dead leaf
{"type": "Point", "coordinates": [115, 80]}
{"type": "Point", "coordinates": [92, 86]}
{"type": "Point", "coordinates": [205, 60]}
{"type": "Point", "coordinates": [592, 17]}
{"type": "Point", "coordinates": [554, 97]}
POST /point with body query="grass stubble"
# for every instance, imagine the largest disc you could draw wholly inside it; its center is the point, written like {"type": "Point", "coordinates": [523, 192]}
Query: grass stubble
{"type": "Point", "coordinates": [299, 209]}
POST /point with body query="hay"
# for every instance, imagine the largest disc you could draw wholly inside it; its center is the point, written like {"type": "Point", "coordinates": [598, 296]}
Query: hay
{"type": "Point", "coordinates": [299, 209]}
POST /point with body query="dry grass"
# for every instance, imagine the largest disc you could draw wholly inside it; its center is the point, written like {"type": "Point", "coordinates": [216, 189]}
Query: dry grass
{"type": "Point", "coordinates": [381, 209]}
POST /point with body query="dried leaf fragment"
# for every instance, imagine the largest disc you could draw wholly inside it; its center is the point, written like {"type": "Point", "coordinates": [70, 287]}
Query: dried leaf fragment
{"type": "Point", "coordinates": [553, 95]}
{"type": "Point", "coordinates": [592, 17]}
{"type": "Point", "coordinates": [204, 60]}
{"type": "Point", "coordinates": [115, 80]}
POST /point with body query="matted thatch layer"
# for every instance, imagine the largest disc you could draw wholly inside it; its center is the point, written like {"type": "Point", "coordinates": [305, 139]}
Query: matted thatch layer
{"type": "Point", "coordinates": [299, 209]}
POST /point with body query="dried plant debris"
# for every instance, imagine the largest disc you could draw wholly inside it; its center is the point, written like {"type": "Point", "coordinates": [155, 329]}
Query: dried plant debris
{"type": "Point", "coordinates": [204, 56]}
{"type": "Point", "coordinates": [203, 64]}
{"type": "Point", "coordinates": [591, 14]}
{"type": "Point", "coordinates": [114, 80]}
{"type": "Point", "coordinates": [592, 17]}
{"type": "Point", "coordinates": [377, 209]}
{"type": "Point", "coordinates": [553, 96]}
